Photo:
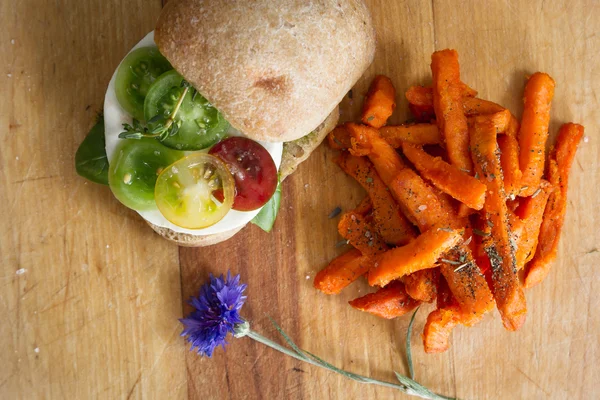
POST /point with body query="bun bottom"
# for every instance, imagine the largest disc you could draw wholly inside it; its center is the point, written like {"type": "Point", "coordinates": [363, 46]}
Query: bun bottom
{"type": "Point", "coordinates": [294, 153]}
{"type": "Point", "coordinates": [188, 240]}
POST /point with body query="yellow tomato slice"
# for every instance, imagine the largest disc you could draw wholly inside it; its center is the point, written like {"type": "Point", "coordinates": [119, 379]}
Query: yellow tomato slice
{"type": "Point", "coordinates": [195, 192]}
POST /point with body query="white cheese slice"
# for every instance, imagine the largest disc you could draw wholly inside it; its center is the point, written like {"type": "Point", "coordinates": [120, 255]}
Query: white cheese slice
{"type": "Point", "coordinates": [115, 117]}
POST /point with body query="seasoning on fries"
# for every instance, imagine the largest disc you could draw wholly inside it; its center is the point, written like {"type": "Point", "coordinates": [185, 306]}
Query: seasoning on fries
{"type": "Point", "coordinates": [456, 204]}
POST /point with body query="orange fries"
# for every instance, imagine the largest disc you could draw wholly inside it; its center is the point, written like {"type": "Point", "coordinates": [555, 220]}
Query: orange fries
{"type": "Point", "coordinates": [472, 181]}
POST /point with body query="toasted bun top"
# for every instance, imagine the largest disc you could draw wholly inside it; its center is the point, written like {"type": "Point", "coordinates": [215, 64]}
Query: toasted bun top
{"type": "Point", "coordinates": [275, 69]}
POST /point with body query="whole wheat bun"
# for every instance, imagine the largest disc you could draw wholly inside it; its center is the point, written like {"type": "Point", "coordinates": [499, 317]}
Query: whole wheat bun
{"type": "Point", "coordinates": [274, 68]}
{"type": "Point", "coordinates": [294, 153]}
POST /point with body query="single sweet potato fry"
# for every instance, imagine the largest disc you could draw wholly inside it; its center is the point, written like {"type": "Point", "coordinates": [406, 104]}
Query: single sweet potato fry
{"type": "Point", "coordinates": [448, 106]}
{"type": "Point", "coordinates": [518, 235]}
{"type": "Point", "coordinates": [388, 302]}
{"type": "Point", "coordinates": [506, 288]}
{"type": "Point", "coordinates": [339, 138]}
{"type": "Point", "coordinates": [419, 201]}
{"type": "Point", "coordinates": [509, 158]}
{"type": "Point", "coordinates": [476, 106]}
{"type": "Point", "coordinates": [561, 160]}
{"type": "Point", "coordinates": [422, 285]}
{"type": "Point", "coordinates": [466, 282]}
{"type": "Point", "coordinates": [446, 177]}
{"type": "Point", "coordinates": [530, 212]}
{"type": "Point", "coordinates": [420, 101]}
{"type": "Point", "coordinates": [443, 320]}
{"type": "Point", "coordinates": [439, 326]}
{"type": "Point", "coordinates": [391, 224]}
{"type": "Point", "coordinates": [366, 141]}
{"type": "Point", "coordinates": [421, 253]}
{"type": "Point", "coordinates": [533, 134]}
{"type": "Point", "coordinates": [379, 103]}
{"type": "Point", "coordinates": [360, 234]}
{"type": "Point", "coordinates": [342, 271]}
{"type": "Point", "coordinates": [412, 133]}
{"type": "Point", "coordinates": [500, 120]}
{"type": "Point", "coordinates": [420, 96]}
{"type": "Point", "coordinates": [364, 207]}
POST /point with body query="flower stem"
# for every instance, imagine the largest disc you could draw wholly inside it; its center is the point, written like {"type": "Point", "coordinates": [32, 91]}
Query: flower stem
{"type": "Point", "coordinates": [359, 378]}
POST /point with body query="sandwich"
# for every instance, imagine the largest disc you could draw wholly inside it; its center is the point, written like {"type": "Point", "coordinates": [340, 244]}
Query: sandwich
{"type": "Point", "coordinates": [210, 112]}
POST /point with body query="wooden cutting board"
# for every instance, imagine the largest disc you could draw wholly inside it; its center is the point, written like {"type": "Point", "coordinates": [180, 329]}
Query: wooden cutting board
{"type": "Point", "coordinates": [90, 297]}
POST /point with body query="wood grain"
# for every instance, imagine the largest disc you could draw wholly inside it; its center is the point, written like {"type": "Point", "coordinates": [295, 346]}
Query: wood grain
{"type": "Point", "coordinates": [104, 319]}
{"type": "Point", "coordinates": [93, 315]}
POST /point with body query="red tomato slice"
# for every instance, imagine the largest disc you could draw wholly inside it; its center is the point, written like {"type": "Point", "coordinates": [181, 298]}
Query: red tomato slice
{"type": "Point", "coordinates": [252, 168]}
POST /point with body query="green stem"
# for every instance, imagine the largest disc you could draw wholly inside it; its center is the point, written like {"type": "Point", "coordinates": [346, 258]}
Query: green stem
{"type": "Point", "coordinates": [359, 378]}
{"type": "Point", "coordinates": [176, 109]}
{"type": "Point", "coordinates": [171, 118]}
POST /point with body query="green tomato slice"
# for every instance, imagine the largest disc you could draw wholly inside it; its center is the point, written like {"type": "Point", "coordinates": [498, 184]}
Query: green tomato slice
{"type": "Point", "coordinates": [136, 74]}
{"type": "Point", "coordinates": [185, 191]}
{"type": "Point", "coordinates": [134, 169]}
{"type": "Point", "coordinates": [200, 124]}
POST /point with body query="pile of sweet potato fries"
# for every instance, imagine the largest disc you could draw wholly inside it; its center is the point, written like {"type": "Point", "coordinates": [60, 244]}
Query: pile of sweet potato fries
{"type": "Point", "coordinates": [463, 207]}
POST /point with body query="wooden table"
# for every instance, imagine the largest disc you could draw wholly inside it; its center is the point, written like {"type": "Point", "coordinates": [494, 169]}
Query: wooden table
{"type": "Point", "coordinates": [90, 296]}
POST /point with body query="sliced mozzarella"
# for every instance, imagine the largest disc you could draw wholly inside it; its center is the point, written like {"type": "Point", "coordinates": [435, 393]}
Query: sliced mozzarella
{"type": "Point", "coordinates": [115, 117]}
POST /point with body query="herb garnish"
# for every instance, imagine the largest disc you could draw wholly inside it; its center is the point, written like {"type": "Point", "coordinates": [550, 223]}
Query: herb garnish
{"type": "Point", "coordinates": [479, 232]}
{"type": "Point", "coordinates": [461, 266]}
{"type": "Point", "coordinates": [159, 126]}
{"type": "Point", "coordinates": [452, 262]}
{"type": "Point", "coordinates": [335, 212]}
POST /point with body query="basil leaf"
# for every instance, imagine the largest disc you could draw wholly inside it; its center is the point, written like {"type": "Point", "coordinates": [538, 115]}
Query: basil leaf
{"type": "Point", "coordinates": [266, 217]}
{"type": "Point", "coordinates": [90, 160]}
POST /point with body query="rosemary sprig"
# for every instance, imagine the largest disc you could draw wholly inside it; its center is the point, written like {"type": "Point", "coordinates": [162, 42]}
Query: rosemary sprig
{"type": "Point", "coordinates": [406, 385]}
{"type": "Point", "coordinates": [479, 232]}
{"type": "Point", "coordinates": [451, 262]}
{"type": "Point", "coordinates": [159, 126]}
{"type": "Point", "coordinates": [462, 266]}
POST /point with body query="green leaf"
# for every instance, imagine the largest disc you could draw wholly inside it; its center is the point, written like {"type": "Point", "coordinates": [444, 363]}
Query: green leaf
{"type": "Point", "coordinates": [156, 118]}
{"type": "Point", "coordinates": [137, 125]}
{"type": "Point", "coordinates": [173, 129]}
{"type": "Point", "coordinates": [130, 135]}
{"type": "Point", "coordinates": [266, 217]}
{"type": "Point", "coordinates": [90, 159]}
{"type": "Point", "coordinates": [408, 351]}
{"type": "Point", "coordinates": [159, 128]}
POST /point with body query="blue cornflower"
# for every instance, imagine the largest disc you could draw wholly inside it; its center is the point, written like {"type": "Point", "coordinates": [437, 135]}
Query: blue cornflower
{"type": "Point", "coordinates": [217, 312]}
